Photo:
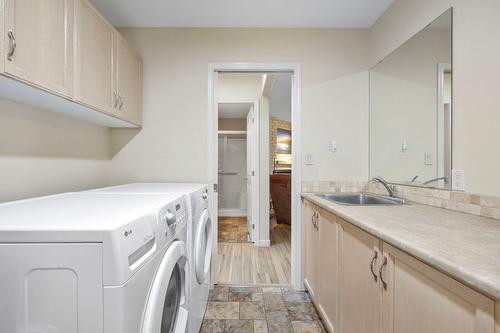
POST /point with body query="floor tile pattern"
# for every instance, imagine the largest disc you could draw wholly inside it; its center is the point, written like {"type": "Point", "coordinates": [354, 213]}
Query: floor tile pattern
{"type": "Point", "coordinates": [233, 229]}
{"type": "Point", "coordinates": [260, 310]}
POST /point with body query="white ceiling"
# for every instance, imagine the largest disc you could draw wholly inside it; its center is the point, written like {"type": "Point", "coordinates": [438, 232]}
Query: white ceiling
{"type": "Point", "coordinates": [243, 13]}
{"type": "Point", "coordinates": [234, 110]}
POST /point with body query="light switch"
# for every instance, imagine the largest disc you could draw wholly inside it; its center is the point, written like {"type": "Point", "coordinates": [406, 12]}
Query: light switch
{"type": "Point", "coordinates": [309, 159]}
{"type": "Point", "coordinates": [404, 146]}
{"type": "Point", "coordinates": [428, 158]}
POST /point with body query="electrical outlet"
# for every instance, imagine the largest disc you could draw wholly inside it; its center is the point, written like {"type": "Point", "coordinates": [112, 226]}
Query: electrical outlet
{"type": "Point", "coordinates": [458, 180]}
{"type": "Point", "coordinates": [333, 148]}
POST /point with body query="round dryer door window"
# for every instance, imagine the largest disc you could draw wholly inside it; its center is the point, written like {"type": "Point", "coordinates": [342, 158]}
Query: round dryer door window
{"type": "Point", "coordinates": [166, 310]}
{"type": "Point", "coordinates": [203, 247]}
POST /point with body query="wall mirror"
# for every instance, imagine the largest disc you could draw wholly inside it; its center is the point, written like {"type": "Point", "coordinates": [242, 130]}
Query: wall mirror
{"type": "Point", "coordinates": [411, 109]}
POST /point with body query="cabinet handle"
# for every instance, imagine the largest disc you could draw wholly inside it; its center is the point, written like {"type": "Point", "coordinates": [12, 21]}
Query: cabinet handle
{"type": "Point", "coordinates": [121, 102]}
{"type": "Point", "coordinates": [115, 104]}
{"type": "Point", "coordinates": [13, 45]}
{"type": "Point", "coordinates": [375, 256]}
{"type": "Point", "coordinates": [381, 273]}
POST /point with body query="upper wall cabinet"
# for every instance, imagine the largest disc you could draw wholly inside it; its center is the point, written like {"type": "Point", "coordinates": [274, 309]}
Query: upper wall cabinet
{"type": "Point", "coordinates": [64, 56]}
{"type": "Point", "coordinates": [128, 88]}
{"type": "Point", "coordinates": [94, 59]}
{"type": "Point", "coordinates": [39, 43]}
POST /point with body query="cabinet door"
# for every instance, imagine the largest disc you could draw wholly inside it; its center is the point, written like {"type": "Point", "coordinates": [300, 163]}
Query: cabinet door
{"type": "Point", "coordinates": [2, 36]}
{"type": "Point", "coordinates": [94, 59]}
{"type": "Point", "coordinates": [360, 292]}
{"type": "Point", "coordinates": [328, 269]}
{"type": "Point", "coordinates": [38, 43]}
{"type": "Point", "coordinates": [311, 249]}
{"type": "Point", "coordinates": [129, 82]}
{"type": "Point", "coordinates": [421, 299]}
{"type": "Point", "coordinates": [51, 288]}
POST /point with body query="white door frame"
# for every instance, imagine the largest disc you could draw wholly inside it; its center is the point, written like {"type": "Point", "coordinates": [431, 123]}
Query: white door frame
{"type": "Point", "coordinates": [256, 184]}
{"type": "Point", "coordinates": [212, 174]}
{"type": "Point", "coordinates": [442, 68]}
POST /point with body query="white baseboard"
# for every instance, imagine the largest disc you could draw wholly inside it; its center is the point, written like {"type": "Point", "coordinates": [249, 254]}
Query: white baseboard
{"type": "Point", "coordinates": [232, 212]}
{"type": "Point", "coordinates": [263, 242]}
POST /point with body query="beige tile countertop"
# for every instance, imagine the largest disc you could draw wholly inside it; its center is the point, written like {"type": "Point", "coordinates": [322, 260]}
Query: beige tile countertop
{"type": "Point", "coordinates": [464, 246]}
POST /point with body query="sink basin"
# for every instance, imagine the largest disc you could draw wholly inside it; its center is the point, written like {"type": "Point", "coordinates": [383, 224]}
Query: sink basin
{"type": "Point", "coordinates": [361, 199]}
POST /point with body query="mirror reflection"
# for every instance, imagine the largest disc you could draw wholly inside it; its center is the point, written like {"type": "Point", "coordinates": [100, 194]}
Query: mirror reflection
{"type": "Point", "coordinates": [411, 109]}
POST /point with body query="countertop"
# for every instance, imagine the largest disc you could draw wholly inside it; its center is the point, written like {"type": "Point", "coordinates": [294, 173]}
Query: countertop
{"type": "Point", "coordinates": [464, 246]}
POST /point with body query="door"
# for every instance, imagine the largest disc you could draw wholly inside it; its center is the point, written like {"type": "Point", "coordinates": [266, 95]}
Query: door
{"type": "Point", "coordinates": [129, 82]}
{"type": "Point", "coordinates": [311, 268]}
{"type": "Point", "coordinates": [203, 248]}
{"type": "Point", "coordinates": [94, 59]}
{"type": "Point", "coordinates": [38, 44]}
{"type": "Point", "coordinates": [360, 293]}
{"type": "Point", "coordinates": [51, 288]}
{"type": "Point", "coordinates": [167, 309]}
{"type": "Point", "coordinates": [419, 299]}
{"type": "Point", "coordinates": [252, 195]}
{"type": "Point", "coordinates": [328, 281]}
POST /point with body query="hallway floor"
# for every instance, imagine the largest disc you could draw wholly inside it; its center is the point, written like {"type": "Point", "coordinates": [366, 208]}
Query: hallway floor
{"type": "Point", "coordinates": [244, 263]}
{"type": "Point", "coordinates": [260, 310]}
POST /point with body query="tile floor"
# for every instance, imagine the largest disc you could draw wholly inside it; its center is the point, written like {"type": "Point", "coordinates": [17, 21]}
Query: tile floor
{"type": "Point", "coordinates": [260, 310]}
{"type": "Point", "coordinates": [233, 229]}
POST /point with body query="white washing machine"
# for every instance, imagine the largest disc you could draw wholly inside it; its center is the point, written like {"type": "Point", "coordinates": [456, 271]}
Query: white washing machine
{"type": "Point", "coordinates": [200, 239]}
{"type": "Point", "coordinates": [92, 263]}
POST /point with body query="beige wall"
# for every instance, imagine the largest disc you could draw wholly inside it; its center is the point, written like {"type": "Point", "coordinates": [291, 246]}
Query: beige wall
{"type": "Point", "coordinates": [233, 124]}
{"type": "Point", "coordinates": [403, 106]}
{"type": "Point", "coordinates": [476, 56]}
{"type": "Point", "coordinates": [172, 143]}
{"type": "Point", "coordinates": [42, 152]}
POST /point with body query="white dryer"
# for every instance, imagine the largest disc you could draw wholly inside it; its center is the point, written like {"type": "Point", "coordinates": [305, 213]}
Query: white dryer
{"type": "Point", "coordinates": [104, 263]}
{"type": "Point", "coordinates": [200, 238]}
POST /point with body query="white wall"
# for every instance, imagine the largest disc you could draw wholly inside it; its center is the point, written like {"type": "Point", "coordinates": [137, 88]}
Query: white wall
{"type": "Point", "coordinates": [172, 143]}
{"type": "Point", "coordinates": [476, 56]}
{"type": "Point", "coordinates": [42, 153]}
{"type": "Point", "coordinates": [280, 100]}
{"type": "Point", "coordinates": [237, 86]}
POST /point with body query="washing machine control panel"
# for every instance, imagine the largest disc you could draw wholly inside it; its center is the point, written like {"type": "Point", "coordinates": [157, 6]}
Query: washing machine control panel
{"type": "Point", "coordinates": [173, 216]}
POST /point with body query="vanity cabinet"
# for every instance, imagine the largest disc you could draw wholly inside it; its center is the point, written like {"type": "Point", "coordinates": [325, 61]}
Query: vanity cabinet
{"type": "Point", "coordinates": [364, 285]}
{"type": "Point", "coordinates": [128, 81]}
{"type": "Point", "coordinates": [360, 293]}
{"type": "Point", "coordinates": [311, 264]}
{"type": "Point", "coordinates": [418, 298]}
{"type": "Point", "coordinates": [94, 59]}
{"type": "Point", "coordinates": [38, 43]}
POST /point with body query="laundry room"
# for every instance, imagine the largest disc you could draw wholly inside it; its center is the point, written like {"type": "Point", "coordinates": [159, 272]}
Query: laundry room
{"type": "Point", "coordinates": [309, 167]}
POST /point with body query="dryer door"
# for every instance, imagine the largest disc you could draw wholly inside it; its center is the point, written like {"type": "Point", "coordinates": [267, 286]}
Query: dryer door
{"type": "Point", "coordinates": [203, 248]}
{"type": "Point", "coordinates": [166, 309]}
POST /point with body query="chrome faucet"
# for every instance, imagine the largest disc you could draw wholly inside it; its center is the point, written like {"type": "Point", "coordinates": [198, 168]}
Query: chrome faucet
{"type": "Point", "coordinates": [435, 180]}
{"type": "Point", "coordinates": [390, 188]}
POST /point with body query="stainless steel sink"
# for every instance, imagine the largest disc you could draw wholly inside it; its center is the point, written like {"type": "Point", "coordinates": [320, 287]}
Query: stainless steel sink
{"type": "Point", "coordinates": [361, 199]}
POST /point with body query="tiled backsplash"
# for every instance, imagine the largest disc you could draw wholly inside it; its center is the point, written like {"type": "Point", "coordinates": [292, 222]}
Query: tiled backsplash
{"type": "Point", "coordinates": [480, 205]}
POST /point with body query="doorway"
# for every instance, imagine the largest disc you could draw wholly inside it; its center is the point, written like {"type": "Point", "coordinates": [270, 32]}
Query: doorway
{"type": "Point", "coordinates": [249, 249]}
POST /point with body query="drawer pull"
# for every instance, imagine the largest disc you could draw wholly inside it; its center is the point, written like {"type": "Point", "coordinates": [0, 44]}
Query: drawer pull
{"type": "Point", "coordinates": [375, 256]}
{"type": "Point", "coordinates": [381, 273]}
{"type": "Point", "coordinates": [13, 45]}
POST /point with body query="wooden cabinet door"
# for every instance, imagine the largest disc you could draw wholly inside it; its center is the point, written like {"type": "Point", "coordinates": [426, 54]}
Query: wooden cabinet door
{"type": "Point", "coordinates": [94, 59]}
{"type": "Point", "coordinates": [329, 286]}
{"type": "Point", "coordinates": [38, 43]}
{"type": "Point", "coordinates": [421, 299]}
{"type": "Point", "coordinates": [2, 36]}
{"type": "Point", "coordinates": [129, 82]}
{"type": "Point", "coordinates": [360, 299]}
{"type": "Point", "coordinates": [311, 267]}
